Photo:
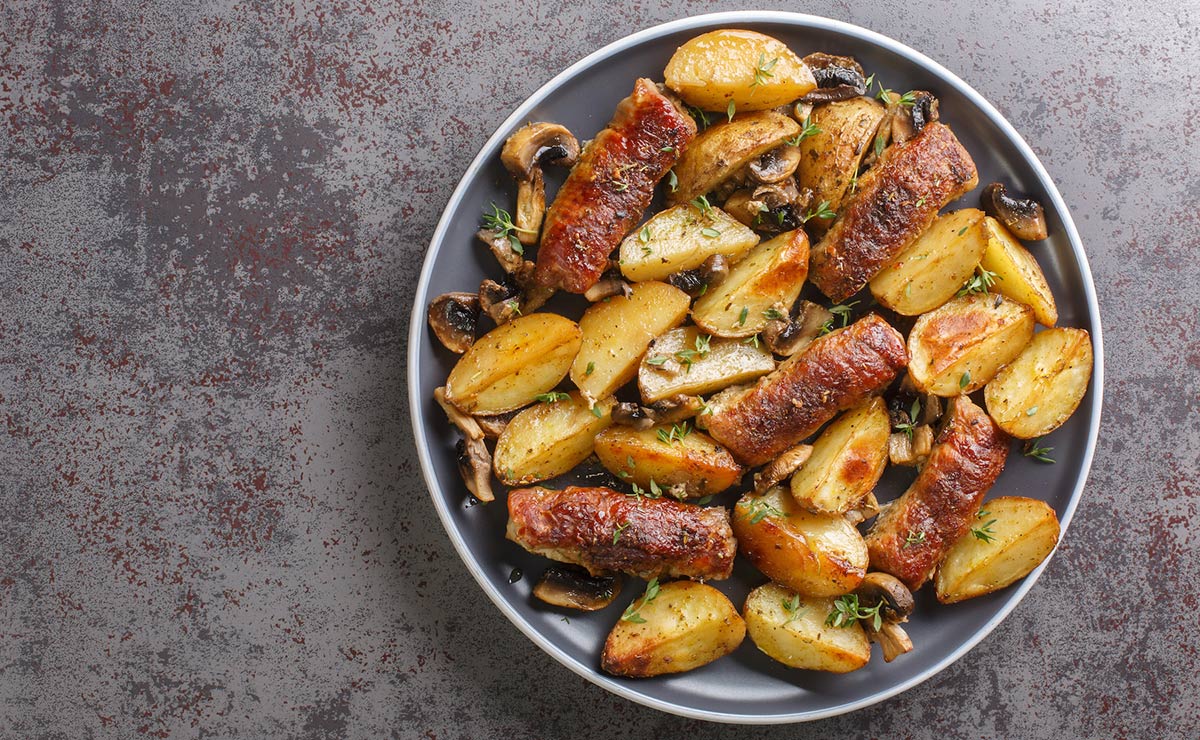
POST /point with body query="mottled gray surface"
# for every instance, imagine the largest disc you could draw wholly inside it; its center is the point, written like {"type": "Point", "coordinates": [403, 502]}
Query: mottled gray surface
{"type": "Point", "coordinates": [211, 220]}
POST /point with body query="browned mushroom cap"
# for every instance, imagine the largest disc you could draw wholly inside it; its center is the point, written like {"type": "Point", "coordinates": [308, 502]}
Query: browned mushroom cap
{"type": "Point", "coordinates": [711, 273]}
{"type": "Point", "coordinates": [908, 120]}
{"type": "Point", "coordinates": [452, 317]}
{"type": "Point", "coordinates": [573, 587]}
{"type": "Point", "coordinates": [474, 460]}
{"type": "Point", "coordinates": [781, 467]}
{"type": "Point", "coordinates": [897, 600]}
{"type": "Point", "coordinates": [1024, 217]}
{"type": "Point", "coordinates": [512, 262]}
{"type": "Point", "coordinates": [838, 78]}
{"type": "Point", "coordinates": [776, 165]}
{"type": "Point", "coordinates": [667, 411]}
{"type": "Point", "coordinates": [524, 154]}
{"type": "Point", "coordinates": [500, 302]}
{"type": "Point", "coordinates": [789, 336]}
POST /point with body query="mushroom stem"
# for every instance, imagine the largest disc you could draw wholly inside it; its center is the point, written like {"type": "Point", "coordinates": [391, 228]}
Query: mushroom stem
{"type": "Point", "coordinates": [531, 207]}
{"type": "Point", "coordinates": [452, 317]}
{"type": "Point", "coordinates": [896, 603]}
{"type": "Point", "coordinates": [608, 287]}
{"type": "Point", "coordinates": [474, 460]}
{"type": "Point", "coordinates": [781, 467]}
{"type": "Point", "coordinates": [892, 638]}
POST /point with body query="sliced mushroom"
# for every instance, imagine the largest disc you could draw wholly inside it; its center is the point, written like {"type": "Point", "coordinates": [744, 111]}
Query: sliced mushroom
{"type": "Point", "coordinates": [776, 165]}
{"type": "Point", "coordinates": [630, 414]}
{"type": "Point", "coordinates": [911, 450]}
{"type": "Point", "coordinates": [866, 509]}
{"type": "Point", "coordinates": [452, 317]}
{"type": "Point", "coordinates": [511, 261]}
{"type": "Point", "coordinates": [524, 154]}
{"type": "Point", "coordinates": [606, 287]}
{"type": "Point", "coordinates": [474, 460]}
{"type": "Point", "coordinates": [676, 408]}
{"type": "Point", "coordinates": [711, 273]}
{"type": "Point", "coordinates": [1024, 217]}
{"type": "Point", "coordinates": [922, 442]}
{"type": "Point", "coordinates": [492, 426]}
{"type": "Point", "coordinates": [500, 302]}
{"type": "Point", "coordinates": [908, 120]}
{"type": "Point", "coordinates": [897, 604]}
{"type": "Point", "coordinates": [791, 336]}
{"type": "Point", "coordinates": [572, 587]}
{"type": "Point", "coordinates": [838, 78]}
{"type": "Point", "coordinates": [781, 467]}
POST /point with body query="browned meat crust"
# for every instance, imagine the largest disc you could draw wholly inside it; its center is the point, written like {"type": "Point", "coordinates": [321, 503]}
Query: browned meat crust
{"type": "Point", "coordinates": [657, 537]}
{"type": "Point", "coordinates": [834, 373]}
{"type": "Point", "coordinates": [895, 201]}
{"type": "Point", "coordinates": [610, 187]}
{"type": "Point", "coordinates": [942, 502]}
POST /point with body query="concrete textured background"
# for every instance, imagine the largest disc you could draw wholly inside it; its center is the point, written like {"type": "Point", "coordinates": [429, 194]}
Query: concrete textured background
{"type": "Point", "coordinates": [212, 215]}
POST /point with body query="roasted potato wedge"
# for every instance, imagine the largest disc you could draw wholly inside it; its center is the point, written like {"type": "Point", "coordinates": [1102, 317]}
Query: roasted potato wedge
{"type": "Point", "coordinates": [830, 158]}
{"type": "Point", "coordinates": [510, 365]}
{"type": "Point", "coordinates": [1017, 535]}
{"type": "Point", "coordinates": [681, 238]}
{"type": "Point", "coordinates": [961, 346]}
{"type": "Point", "coordinates": [694, 461]}
{"type": "Point", "coordinates": [725, 148]}
{"type": "Point", "coordinates": [770, 277]}
{"type": "Point", "coordinates": [791, 629]}
{"type": "Point", "coordinates": [1042, 387]}
{"type": "Point", "coordinates": [815, 554]}
{"type": "Point", "coordinates": [753, 70]}
{"type": "Point", "coordinates": [1018, 274]}
{"type": "Point", "coordinates": [549, 438]}
{"type": "Point", "coordinates": [672, 628]}
{"type": "Point", "coordinates": [617, 331]}
{"type": "Point", "coordinates": [687, 361]}
{"type": "Point", "coordinates": [932, 269]}
{"type": "Point", "coordinates": [846, 462]}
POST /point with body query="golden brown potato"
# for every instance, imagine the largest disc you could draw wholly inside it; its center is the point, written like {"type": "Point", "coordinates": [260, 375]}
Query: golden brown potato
{"type": "Point", "coordinates": [932, 269]}
{"type": "Point", "coordinates": [846, 462]}
{"type": "Point", "coordinates": [815, 554]}
{"type": "Point", "coordinates": [751, 69]}
{"type": "Point", "coordinates": [959, 347]}
{"type": "Point", "coordinates": [791, 629]}
{"type": "Point", "coordinates": [692, 460]}
{"type": "Point", "coordinates": [617, 331]}
{"type": "Point", "coordinates": [1012, 536]}
{"type": "Point", "coordinates": [830, 158]}
{"type": "Point", "coordinates": [672, 628]}
{"type": "Point", "coordinates": [549, 438]}
{"type": "Point", "coordinates": [763, 285]}
{"type": "Point", "coordinates": [687, 361]}
{"type": "Point", "coordinates": [513, 363]}
{"type": "Point", "coordinates": [681, 238]}
{"type": "Point", "coordinates": [1041, 388]}
{"type": "Point", "coordinates": [1018, 275]}
{"type": "Point", "coordinates": [725, 148]}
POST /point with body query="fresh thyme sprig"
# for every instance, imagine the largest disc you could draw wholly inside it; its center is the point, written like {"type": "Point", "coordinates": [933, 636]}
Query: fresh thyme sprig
{"type": "Point", "coordinates": [675, 434]}
{"type": "Point", "coordinates": [913, 539]}
{"type": "Point", "coordinates": [841, 313]}
{"type": "Point", "coordinates": [762, 71]}
{"type": "Point", "coordinates": [792, 607]}
{"type": "Point", "coordinates": [984, 531]}
{"type": "Point", "coordinates": [631, 613]}
{"type": "Point", "coordinates": [757, 510]}
{"type": "Point", "coordinates": [908, 426]}
{"type": "Point", "coordinates": [810, 130]}
{"type": "Point", "coordinates": [702, 203]}
{"type": "Point", "coordinates": [552, 397]}
{"type": "Point", "coordinates": [981, 282]}
{"type": "Point", "coordinates": [1034, 449]}
{"type": "Point", "coordinates": [501, 222]}
{"type": "Point", "coordinates": [847, 611]}
{"type": "Point", "coordinates": [821, 211]}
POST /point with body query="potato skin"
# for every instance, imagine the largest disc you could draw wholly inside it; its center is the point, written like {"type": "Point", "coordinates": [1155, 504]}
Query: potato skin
{"type": "Point", "coordinates": [837, 371]}
{"type": "Point", "coordinates": [1023, 533]}
{"type": "Point", "coordinates": [1038, 391]}
{"type": "Point", "coordinates": [727, 362]}
{"type": "Point", "coordinates": [617, 331]}
{"type": "Point", "coordinates": [714, 68]}
{"type": "Point", "coordinates": [685, 626]}
{"type": "Point", "coordinates": [829, 160]}
{"type": "Point", "coordinates": [659, 538]}
{"type": "Point", "coordinates": [967, 457]}
{"type": "Point", "coordinates": [697, 461]}
{"type": "Point", "coordinates": [610, 187]}
{"type": "Point", "coordinates": [548, 439]}
{"type": "Point", "coordinates": [800, 638]}
{"type": "Point", "coordinates": [1018, 274]}
{"type": "Point", "coordinates": [771, 274]}
{"type": "Point", "coordinates": [895, 201]}
{"type": "Point", "coordinates": [961, 346]}
{"type": "Point", "coordinates": [931, 270]}
{"type": "Point", "coordinates": [813, 554]}
{"type": "Point", "coordinates": [675, 240]}
{"type": "Point", "coordinates": [846, 462]}
{"type": "Point", "coordinates": [510, 365]}
{"type": "Point", "coordinates": [724, 148]}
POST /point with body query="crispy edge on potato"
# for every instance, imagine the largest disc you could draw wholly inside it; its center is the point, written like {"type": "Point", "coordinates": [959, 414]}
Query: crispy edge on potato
{"type": "Point", "coordinates": [1015, 534]}
{"type": "Point", "coordinates": [721, 150]}
{"type": "Point", "coordinates": [770, 277]}
{"type": "Point", "coordinates": [960, 347]}
{"type": "Point", "coordinates": [509, 366]}
{"type": "Point", "coordinates": [1039, 390]}
{"type": "Point", "coordinates": [790, 628]}
{"type": "Point", "coordinates": [847, 460]}
{"type": "Point", "coordinates": [549, 438]}
{"type": "Point", "coordinates": [814, 554]}
{"type": "Point", "coordinates": [694, 462]}
{"type": "Point", "coordinates": [830, 158]}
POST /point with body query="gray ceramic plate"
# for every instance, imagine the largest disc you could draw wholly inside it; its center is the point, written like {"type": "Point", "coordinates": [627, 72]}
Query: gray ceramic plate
{"type": "Point", "coordinates": [745, 687]}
